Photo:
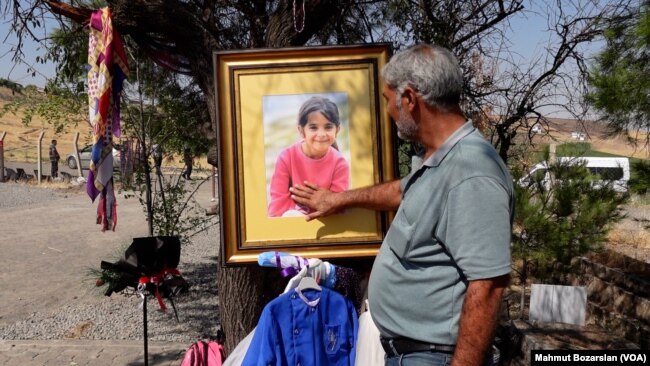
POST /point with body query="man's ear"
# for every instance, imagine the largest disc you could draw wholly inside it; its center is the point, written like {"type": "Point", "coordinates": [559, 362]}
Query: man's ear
{"type": "Point", "coordinates": [411, 98]}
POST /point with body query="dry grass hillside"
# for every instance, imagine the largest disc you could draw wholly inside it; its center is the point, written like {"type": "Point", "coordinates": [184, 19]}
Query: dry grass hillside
{"type": "Point", "coordinates": [560, 131]}
{"type": "Point", "coordinates": [21, 142]}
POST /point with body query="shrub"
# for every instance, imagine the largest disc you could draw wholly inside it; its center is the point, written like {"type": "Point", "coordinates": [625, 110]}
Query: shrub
{"type": "Point", "coordinates": [567, 218]}
{"type": "Point", "coordinates": [640, 181]}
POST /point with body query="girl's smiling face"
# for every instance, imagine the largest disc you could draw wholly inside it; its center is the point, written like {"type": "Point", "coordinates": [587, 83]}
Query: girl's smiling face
{"type": "Point", "coordinates": [319, 134]}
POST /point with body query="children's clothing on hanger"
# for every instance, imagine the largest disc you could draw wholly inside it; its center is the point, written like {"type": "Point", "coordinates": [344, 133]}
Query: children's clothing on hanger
{"type": "Point", "coordinates": [308, 328]}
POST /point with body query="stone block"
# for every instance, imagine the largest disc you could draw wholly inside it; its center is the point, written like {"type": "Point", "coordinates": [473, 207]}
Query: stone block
{"type": "Point", "coordinates": [563, 304]}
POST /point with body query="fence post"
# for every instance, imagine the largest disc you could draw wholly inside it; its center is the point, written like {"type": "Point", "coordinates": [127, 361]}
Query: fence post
{"type": "Point", "coordinates": [2, 157]}
{"type": "Point", "coordinates": [75, 143]}
{"type": "Point", "coordinates": [552, 154]}
{"type": "Point", "coordinates": [39, 158]}
{"type": "Point", "coordinates": [552, 159]}
{"type": "Point", "coordinates": [213, 178]}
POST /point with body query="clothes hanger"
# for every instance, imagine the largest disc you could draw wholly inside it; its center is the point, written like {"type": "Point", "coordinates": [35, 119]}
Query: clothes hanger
{"type": "Point", "coordinates": [308, 283]}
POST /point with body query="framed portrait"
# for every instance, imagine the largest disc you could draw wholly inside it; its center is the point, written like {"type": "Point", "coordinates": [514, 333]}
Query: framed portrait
{"type": "Point", "coordinates": [292, 115]}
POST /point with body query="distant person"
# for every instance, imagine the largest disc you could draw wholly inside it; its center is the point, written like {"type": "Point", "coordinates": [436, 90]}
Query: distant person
{"type": "Point", "coordinates": [314, 158]}
{"type": "Point", "coordinates": [54, 160]}
{"type": "Point", "coordinates": [157, 158]}
{"type": "Point", "coordinates": [188, 160]}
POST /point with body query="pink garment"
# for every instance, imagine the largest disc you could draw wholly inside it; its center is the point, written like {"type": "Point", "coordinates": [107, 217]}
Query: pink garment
{"type": "Point", "coordinates": [331, 171]}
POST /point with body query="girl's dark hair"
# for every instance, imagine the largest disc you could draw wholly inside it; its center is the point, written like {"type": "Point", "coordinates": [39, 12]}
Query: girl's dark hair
{"type": "Point", "coordinates": [322, 105]}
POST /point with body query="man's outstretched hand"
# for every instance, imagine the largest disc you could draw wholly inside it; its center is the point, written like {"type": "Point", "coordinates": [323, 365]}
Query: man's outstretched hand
{"type": "Point", "coordinates": [321, 201]}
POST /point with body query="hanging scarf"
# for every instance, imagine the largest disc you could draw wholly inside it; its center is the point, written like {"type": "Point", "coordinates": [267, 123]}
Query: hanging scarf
{"type": "Point", "coordinates": [107, 69]}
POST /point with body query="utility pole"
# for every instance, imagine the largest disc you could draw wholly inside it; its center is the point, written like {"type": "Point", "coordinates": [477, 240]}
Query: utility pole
{"type": "Point", "coordinates": [39, 158]}
{"type": "Point", "coordinates": [2, 157]}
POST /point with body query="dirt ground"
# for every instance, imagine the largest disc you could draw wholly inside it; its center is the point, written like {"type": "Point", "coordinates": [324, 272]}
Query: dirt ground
{"type": "Point", "coordinates": [560, 131]}
{"type": "Point", "coordinates": [48, 247]}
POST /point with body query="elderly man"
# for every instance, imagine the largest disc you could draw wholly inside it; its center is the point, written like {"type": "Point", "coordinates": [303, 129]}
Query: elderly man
{"type": "Point", "coordinates": [437, 282]}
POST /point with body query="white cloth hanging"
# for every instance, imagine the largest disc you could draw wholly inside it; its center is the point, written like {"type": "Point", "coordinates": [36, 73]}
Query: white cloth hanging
{"type": "Point", "coordinates": [369, 350]}
{"type": "Point", "coordinates": [236, 357]}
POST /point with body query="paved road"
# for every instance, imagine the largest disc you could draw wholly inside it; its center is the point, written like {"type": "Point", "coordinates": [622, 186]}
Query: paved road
{"type": "Point", "coordinates": [88, 353]}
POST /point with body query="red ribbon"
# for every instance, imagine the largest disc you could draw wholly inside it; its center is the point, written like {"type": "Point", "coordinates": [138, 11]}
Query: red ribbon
{"type": "Point", "coordinates": [157, 279]}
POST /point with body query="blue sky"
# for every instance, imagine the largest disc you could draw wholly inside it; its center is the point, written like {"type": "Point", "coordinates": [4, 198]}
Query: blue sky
{"type": "Point", "coordinates": [527, 39]}
{"type": "Point", "coordinates": [18, 72]}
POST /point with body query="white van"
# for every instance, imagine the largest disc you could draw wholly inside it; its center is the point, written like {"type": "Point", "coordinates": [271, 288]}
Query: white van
{"type": "Point", "coordinates": [616, 170]}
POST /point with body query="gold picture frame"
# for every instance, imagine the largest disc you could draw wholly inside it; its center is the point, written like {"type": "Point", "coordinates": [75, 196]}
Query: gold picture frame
{"type": "Point", "coordinates": [258, 95]}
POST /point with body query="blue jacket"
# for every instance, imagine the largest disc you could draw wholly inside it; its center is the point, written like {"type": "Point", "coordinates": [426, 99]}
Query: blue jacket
{"type": "Point", "coordinates": [314, 328]}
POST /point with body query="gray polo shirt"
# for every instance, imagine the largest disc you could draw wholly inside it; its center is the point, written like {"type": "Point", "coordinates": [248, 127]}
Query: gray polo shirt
{"type": "Point", "coordinates": [453, 226]}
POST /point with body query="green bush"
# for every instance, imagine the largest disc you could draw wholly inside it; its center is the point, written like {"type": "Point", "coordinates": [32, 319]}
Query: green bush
{"type": "Point", "coordinates": [174, 208]}
{"type": "Point", "coordinates": [566, 218]}
{"type": "Point", "coordinates": [574, 149]}
{"type": "Point", "coordinates": [640, 180]}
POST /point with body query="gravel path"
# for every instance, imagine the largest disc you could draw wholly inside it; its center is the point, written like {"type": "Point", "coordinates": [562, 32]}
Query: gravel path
{"type": "Point", "coordinates": [90, 315]}
{"type": "Point", "coordinates": [21, 195]}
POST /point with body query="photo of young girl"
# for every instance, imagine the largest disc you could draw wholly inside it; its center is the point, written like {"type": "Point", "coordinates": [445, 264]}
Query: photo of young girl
{"type": "Point", "coordinates": [315, 157]}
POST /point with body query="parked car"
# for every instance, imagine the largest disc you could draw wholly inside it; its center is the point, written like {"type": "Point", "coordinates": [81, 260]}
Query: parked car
{"type": "Point", "coordinates": [614, 170]}
{"type": "Point", "coordinates": [85, 153]}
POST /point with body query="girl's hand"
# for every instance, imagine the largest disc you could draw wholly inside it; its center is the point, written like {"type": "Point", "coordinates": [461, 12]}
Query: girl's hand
{"type": "Point", "coordinates": [321, 201]}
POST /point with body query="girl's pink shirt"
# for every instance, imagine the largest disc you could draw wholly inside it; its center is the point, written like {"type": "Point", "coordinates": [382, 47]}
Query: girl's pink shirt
{"type": "Point", "coordinates": [331, 171]}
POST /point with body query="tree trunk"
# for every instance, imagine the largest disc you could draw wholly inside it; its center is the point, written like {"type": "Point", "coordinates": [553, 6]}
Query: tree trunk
{"type": "Point", "coordinates": [243, 292]}
{"type": "Point", "coordinates": [505, 140]}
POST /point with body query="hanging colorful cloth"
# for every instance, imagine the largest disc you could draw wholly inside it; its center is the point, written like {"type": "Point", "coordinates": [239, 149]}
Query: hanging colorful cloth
{"type": "Point", "coordinates": [107, 69]}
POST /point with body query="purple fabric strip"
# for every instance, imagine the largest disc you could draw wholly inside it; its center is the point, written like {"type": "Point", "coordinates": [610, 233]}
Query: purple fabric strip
{"type": "Point", "coordinates": [90, 186]}
{"type": "Point", "coordinates": [289, 272]}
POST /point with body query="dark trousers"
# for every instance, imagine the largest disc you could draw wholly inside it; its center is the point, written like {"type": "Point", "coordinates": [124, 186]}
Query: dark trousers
{"type": "Point", "coordinates": [54, 172]}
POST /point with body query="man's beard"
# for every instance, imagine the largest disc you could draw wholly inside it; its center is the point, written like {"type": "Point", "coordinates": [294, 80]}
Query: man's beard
{"type": "Point", "coordinates": [407, 129]}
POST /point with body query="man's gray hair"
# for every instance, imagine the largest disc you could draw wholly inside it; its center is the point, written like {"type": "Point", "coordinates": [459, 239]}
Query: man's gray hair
{"type": "Point", "coordinates": [431, 70]}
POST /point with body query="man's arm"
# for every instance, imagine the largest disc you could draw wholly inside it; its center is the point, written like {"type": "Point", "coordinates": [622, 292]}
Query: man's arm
{"type": "Point", "coordinates": [384, 196]}
{"type": "Point", "coordinates": [478, 320]}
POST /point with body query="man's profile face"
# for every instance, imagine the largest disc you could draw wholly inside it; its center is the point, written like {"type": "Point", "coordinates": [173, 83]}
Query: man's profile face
{"type": "Point", "coordinates": [407, 128]}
